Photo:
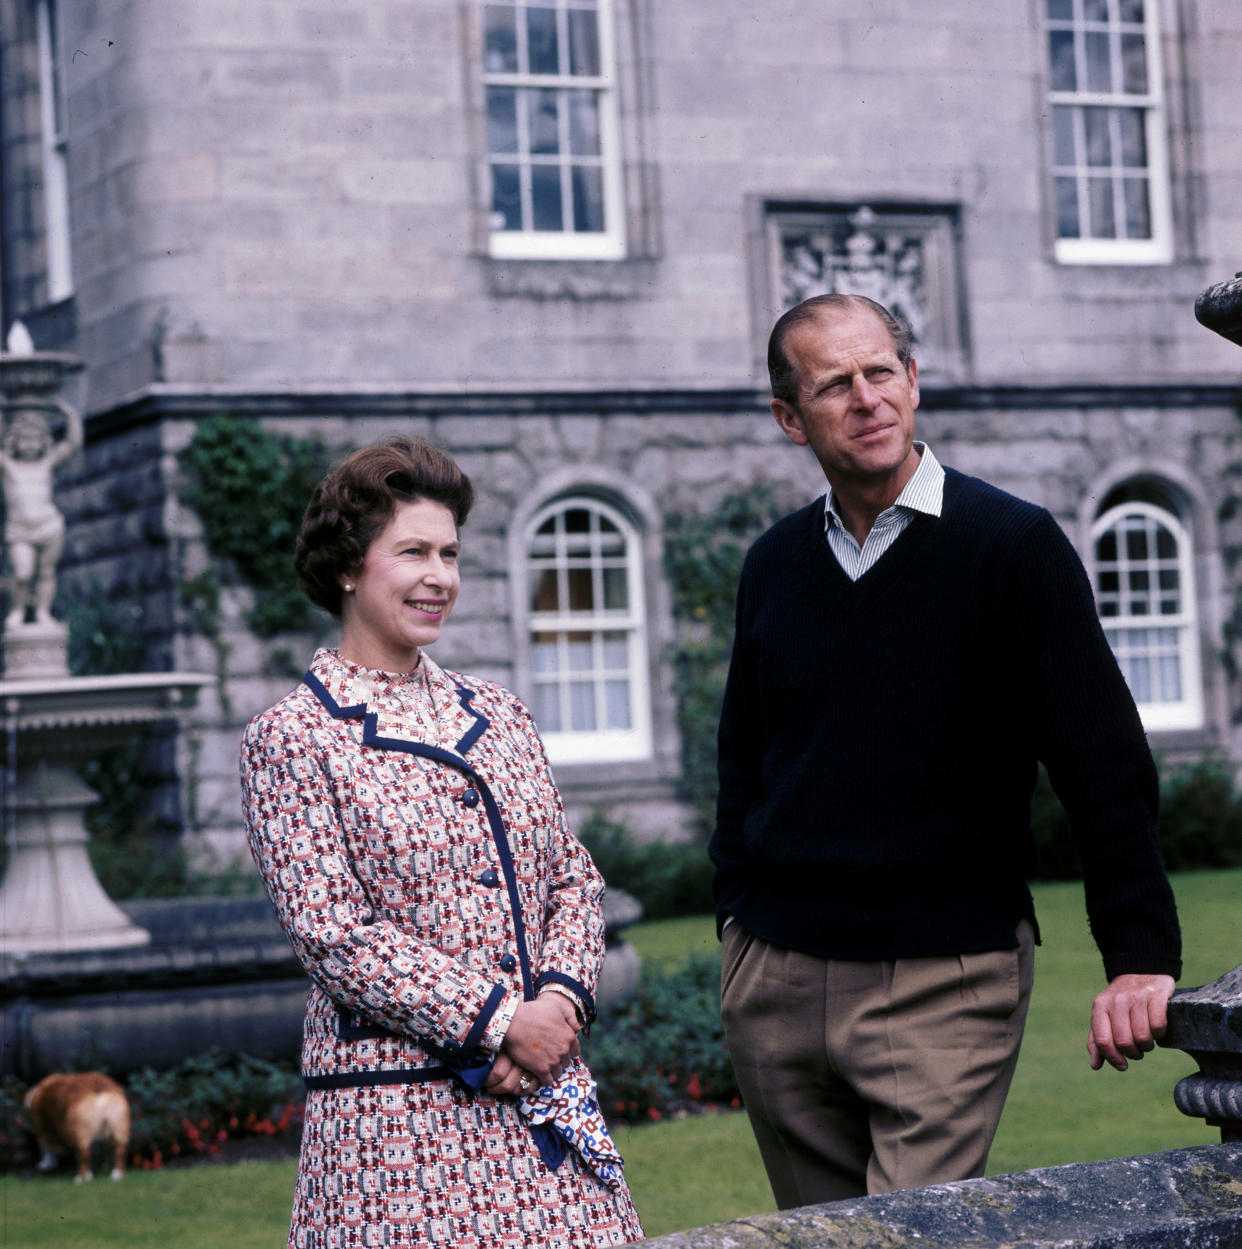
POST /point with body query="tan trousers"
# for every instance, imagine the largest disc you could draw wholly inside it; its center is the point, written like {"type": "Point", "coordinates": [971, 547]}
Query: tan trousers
{"type": "Point", "coordinates": [864, 1077]}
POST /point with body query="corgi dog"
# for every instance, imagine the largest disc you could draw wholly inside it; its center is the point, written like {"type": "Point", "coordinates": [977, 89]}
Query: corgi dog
{"type": "Point", "coordinates": [74, 1111]}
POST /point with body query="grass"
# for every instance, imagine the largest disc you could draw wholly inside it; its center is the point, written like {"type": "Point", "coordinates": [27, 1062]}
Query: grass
{"type": "Point", "coordinates": [706, 1169]}
{"type": "Point", "coordinates": [245, 1206]}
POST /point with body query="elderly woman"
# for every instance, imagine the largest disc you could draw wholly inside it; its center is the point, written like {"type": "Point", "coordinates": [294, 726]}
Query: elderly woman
{"type": "Point", "coordinates": [412, 839]}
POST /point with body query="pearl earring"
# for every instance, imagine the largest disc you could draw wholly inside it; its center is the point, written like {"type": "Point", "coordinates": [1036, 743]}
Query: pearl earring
{"type": "Point", "coordinates": [349, 589]}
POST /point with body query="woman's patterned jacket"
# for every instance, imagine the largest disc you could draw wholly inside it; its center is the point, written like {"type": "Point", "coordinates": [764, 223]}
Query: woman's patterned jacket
{"type": "Point", "coordinates": [426, 890]}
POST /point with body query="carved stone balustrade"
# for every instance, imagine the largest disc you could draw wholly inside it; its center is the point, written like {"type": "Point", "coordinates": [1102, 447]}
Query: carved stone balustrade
{"type": "Point", "coordinates": [1220, 309]}
{"type": "Point", "coordinates": [1207, 1024]}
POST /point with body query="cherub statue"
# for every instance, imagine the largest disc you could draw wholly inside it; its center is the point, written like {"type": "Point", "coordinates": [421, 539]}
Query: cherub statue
{"type": "Point", "coordinates": [34, 529]}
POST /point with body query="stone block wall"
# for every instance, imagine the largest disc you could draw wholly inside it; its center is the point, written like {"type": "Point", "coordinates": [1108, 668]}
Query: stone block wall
{"type": "Point", "coordinates": [273, 196]}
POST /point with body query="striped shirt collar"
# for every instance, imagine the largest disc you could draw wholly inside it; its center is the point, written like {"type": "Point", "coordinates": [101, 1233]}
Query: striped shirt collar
{"type": "Point", "coordinates": [924, 492]}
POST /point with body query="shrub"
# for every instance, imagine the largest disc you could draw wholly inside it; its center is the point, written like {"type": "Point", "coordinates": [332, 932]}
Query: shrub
{"type": "Point", "coordinates": [209, 1099]}
{"type": "Point", "coordinates": [182, 1112]}
{"type": "Point", "coordinates": [1200, 823]}
{"type": "Point", "coordinates": [663, 1052]}
{"type": "Point", "coordinates": [1200, 818]}
{"type": "Point", "coordinates": [670, 879]}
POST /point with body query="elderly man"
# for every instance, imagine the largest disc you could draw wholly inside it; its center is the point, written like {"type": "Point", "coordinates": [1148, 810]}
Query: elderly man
{"type": "Point", "coordinates": [908, 649]}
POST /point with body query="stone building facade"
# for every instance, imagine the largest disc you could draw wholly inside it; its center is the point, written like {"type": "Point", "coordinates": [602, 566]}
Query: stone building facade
{"type": "Point", "coordinates": [552, 236]}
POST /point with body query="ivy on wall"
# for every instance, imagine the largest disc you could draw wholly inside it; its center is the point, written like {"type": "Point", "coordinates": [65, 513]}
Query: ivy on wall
{"type": "Point", "coordinates": [703, 554]}
{"type": "Point", "coordinates": [249, 487]}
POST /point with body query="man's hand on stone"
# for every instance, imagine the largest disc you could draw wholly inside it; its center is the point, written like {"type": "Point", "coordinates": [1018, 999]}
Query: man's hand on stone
{"type": "Point", "coordinates": [1127, 1019]}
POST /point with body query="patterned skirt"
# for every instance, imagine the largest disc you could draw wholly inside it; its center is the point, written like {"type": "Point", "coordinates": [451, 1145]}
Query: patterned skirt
{"type": "Point", "coordinates": [428, 1164]}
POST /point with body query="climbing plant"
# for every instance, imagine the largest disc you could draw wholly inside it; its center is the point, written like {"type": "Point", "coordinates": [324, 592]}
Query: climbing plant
{"type": "Point", "coordinates": [249, 487]}
{"type": "Point", "coordinates": [703, 554]}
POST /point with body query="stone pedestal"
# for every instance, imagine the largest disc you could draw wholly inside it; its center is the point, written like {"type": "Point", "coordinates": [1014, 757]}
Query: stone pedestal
{"type": "Point", "coordinates": [1207, 1024]}
{"type": "Point", "coordinates": [51, 900]}
{"type": "Point", "coordinates": [37, 650]}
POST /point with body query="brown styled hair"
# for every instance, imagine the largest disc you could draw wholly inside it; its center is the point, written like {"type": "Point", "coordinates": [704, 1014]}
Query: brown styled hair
{"type": "Point", "coordinates": [781, 372]}
{"type": "Point", "coordinates": [357, 499]}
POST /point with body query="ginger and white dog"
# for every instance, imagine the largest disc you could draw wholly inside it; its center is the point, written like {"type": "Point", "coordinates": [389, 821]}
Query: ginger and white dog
{"type": "Point", "coordinates": [74, 1111]}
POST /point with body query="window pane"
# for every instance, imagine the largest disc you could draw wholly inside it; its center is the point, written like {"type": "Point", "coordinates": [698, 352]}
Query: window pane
{"type": "Point", "coordinates": [583, 42]}
{"type": "Point", "coordinates": [543, 654]}
{"type": "Point", "coordinates": [1061, 56]}
{"type": "Point", "coordinates": [1137, 672]}
{"type": "Point", "coordinates": [616, 651]}
{"type": "Point", "coordinates": [588, 184]}
{"type": "Point", "coordinates": [583, 122]}
{"type": "Point", "coordinates": [581, 590]}
{"type": "Point", "coordinates": [1138, 209]}
{"type": "Point", "coordinates": [580, 651]}
{"type": "Point", "coordinates": [1133, 137]}
{"type": "Point", "coordinates": [1095, 10]}
{"type": "Point", "coordinates": [1063, 135]}
{"type": "Point", "coordinates": [1106, 547]}
{"type": "Point", "coordinates": [1166, 545]}
{"type": "Point", "coordinates": [1170, 679]}
{"type": "Point", "coordinates": [577, 520]}
{"type": "Point", "coordinates": [617, 704]}
{"type": "Point", "coordinates": [502, 120]}
{"type": "Point", "coordinates": [1067, 208]}
{"type": "Point", "coordinates": [542, 41]}
{"type": "Point", "coordinates": [1136, 544]}
{"type": "Point", "coordinates": [1099, 139]}
{"type": "Point", "coordinates": [543, 592]}
{"type": "Point", "coordinates": [616, 590]}
{"type": "Point", "coordinates": [500, 39]}
{"type": "Point", "coordinates": [1134, 64]}
{"type": "Point", "coordinates": [546, 197]}
{"type": "Point", "coordinates": [1170, 579]}
{"type": "Point", "coordinates": [1099, 71]}
{"type": "Point", "coordinates": [1131, 10]}
{"type": "Point", "coordinates": [541, 116]}
{"type": "Point", "coordinates": [1138, 580]}
{"type": "Point", "coordinates": [547, 708]}
{"type": "Point", "coordinates": [506, 198]}
{"type": "Point", "coordinates": [1100, 204]}
{"type": "Point", "coordinates": [1060, 10]}
{"type": "Point", "coordinates": [581, 706]}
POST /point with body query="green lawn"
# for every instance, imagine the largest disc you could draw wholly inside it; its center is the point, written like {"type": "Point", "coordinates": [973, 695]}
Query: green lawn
{"type": "Point", "coordinates": [706, 1169]}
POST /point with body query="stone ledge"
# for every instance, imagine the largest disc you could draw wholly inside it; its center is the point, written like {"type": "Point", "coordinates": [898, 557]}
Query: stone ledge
{"type": "Point", "coordinates": [1187, 1198]}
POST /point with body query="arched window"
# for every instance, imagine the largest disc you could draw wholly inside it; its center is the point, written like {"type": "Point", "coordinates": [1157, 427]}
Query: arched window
{"type": "Point", "coordinates": [1144, 583]}
{"type": "Point", "coordinates": [587, 632]}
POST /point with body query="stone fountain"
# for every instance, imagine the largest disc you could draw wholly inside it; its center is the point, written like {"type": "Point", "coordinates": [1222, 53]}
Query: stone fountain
{"type": "Point", "coordinates": [51, 722]}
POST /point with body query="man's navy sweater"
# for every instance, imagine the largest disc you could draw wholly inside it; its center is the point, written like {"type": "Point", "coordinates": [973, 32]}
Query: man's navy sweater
{"type": "Point", "coordinates": [880, 738]}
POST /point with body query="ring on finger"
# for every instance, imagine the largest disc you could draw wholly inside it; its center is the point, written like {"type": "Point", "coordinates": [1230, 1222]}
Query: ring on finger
{"type": "Point", "coordinates": [525, 1082]}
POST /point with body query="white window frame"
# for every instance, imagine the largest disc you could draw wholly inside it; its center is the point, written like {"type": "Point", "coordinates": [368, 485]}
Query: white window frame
{"type": "Point", "coordinates": [53, 127]}
{"type": "Point", "coordinates": [1085, 249]}
{"type": "Point", "coordinates": [595, 745]}
{"type": "Point", "coordinates": [1187, 711]}
{"type": "Point", "coordinates": [566, 243]}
